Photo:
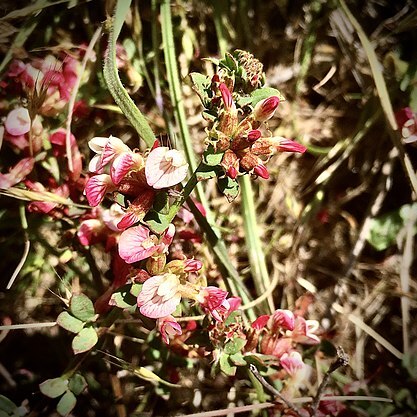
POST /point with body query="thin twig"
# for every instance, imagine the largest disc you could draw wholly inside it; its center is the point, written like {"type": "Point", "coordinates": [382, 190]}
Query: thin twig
{"type": "Point", "coordinates": [26, 247]}
{"type": "Point", "coordinates": [341, 360]}
{"type": "Point", "coordinates": [272, 390]}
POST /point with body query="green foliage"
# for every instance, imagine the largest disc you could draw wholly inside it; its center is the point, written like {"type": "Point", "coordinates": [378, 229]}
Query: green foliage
{"type": "Point", "coordinates": [66, 404]}
{"type": "Point", "coordinates": [54, 388]}
{"type": "Point", "coordinates": [123, 297]}
{"type": "Point", "coordinates": [229, 187]}
{"type": "Point", "coordinates": [69, 322]}
{"type": "Point", "coordinates": [384, 229]}
{"type": "Point", "coordinates": [77, 384]}
{"type": "Point", "coordinates": [82, 307]}
{"type": "Point", "coordinates": [85, 340]}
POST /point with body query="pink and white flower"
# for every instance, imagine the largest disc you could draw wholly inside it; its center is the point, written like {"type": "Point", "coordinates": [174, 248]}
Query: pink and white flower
{"type": "Point", "coordinates": [106, 149]}
{"type": "Point", "coordinates": [213, 300]}
{"type": "Point", "coordinates": [17, 173]}
{"type": "Point", "coordinates": [18, 122]}
{"type": "Point", "coordinates": [286, 145]}
{"type": "Point", "coordinates": [292, 362]}
{"type": "Point", "coordinates": [136, 243]}
{"type": "Point", "coordinates": [283, 319]}
{"type": "Point", "coordinates": [159, 296]}
{"type": "Point", "coordinates": [97, 187]}
{"type": "Point", "coordinates": [165, 167]}
{"type": "Point", "coordinates": [304, 331]}
{"type": "Point", "coordinates": [168, 327]}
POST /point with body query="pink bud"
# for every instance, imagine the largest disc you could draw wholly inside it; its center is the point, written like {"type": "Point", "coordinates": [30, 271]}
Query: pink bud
{"type": "Point", "coordinates": [265, 109]}
{"type": "Point", "coordinates": [253, 135]}
{"type": "Point", "coordinates": [287, 145]}
{"type": "Point", "coordinates": [232, 173]}
{"type": "Point", "coordinates": [226, 96]}
{"type": "Point", "coordinates": [261, 171]}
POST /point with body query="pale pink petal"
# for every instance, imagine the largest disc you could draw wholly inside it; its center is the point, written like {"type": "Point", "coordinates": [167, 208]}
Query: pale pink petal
{"type": "Point", "coordinates": [165, 168]}
{"type": "Point", "coordinates": [95, 164]}
{"type": "Point", "coordinates": [168, 235]}
{"type": "Point", "coordinates": [131, 242]}
{"type": "Point", "coordinates": [97, 144]}
{"type": "Point", "coordinates": [18, 122]}
{"type": "Point", "coordinates": [97, 187]}
{"type": "Point", "coordinates": [129, 219]}
{"type": "Point", "coordinates": [17, 173]}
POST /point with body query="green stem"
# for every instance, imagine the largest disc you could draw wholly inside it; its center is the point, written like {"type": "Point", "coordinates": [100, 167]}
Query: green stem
{"type": "Point", "coordinates": [115, 86]}
{"type": "Point", "coordinates": [253, 241]}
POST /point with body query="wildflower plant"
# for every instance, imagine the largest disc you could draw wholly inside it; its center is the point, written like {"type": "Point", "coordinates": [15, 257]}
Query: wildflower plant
{"type": "Point", "coordinates": [135, 206]}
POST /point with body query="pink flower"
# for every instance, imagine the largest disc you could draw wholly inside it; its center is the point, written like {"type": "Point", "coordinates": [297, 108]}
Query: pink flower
{"type": "Point", "coordinates": [192, 265]}
{"type": "Point", "coordinates": [213, 301]}
{"type": "Point", "coordinates": [160, 296]}
{"type": "Point", "coordinates": [165, 168]}
{"type": "Point", "coordinates": [136, 243]}
{"type": "Point", "coordinates": [286, 145]}
{"type": "Point", "coordinates": [284, 319]}
{"type": "Point", "coordinates": [18, 122]}
{"type": "Point", "coordinates": [304, 331]}
{"type": "Point", "coordinates": [90, 232]}
{"type": "Point", "coordinates": [97, 187]}
{"type": "Point", "coordinates": [168, 326]}
{"type": "Point", "coordinates": [106, 149]}
{"type": "Point", "coordinates": [17, 173]}
{"type": "Point", "coordinates": [265, 109]}
{"type": "Point", "coordinates": [260, 322]}
{"type": "Point", "coordinates": [123, 163]}
{"type": "Point", "coordinates": [292, 362]}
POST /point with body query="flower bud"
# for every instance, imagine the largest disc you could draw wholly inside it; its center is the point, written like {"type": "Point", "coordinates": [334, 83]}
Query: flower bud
{"type": "Point", "coordinates": [261, 171]}
{"type": "Point", "coordinates": [265, 109]}
{"type": "Point", "coordinates": [253, 135]}
{"type": "Point", "coordinates": [192, 265]}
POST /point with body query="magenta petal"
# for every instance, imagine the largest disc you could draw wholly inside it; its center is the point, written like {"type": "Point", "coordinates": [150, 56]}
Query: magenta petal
{"type": "Point", "coordinates": [121, 166]}
{"type": "Point", "coordinates": [96, 188]}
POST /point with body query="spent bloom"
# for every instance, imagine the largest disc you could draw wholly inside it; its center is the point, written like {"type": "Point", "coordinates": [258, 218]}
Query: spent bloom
{"type": "Point", "coordinates": [165, 167]}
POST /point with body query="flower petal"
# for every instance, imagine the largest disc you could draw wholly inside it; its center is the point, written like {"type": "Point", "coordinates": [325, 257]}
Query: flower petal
{"type": "Point", "coordinates": [130, 245]}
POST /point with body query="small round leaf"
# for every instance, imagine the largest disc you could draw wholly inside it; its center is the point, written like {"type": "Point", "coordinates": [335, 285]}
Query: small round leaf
{"type": "Point", "coordinates": [77, 384]}
{"type": "Point", "coordinates": [53, 388]}
{"type": "Point", "coordinates": [84, 340]}
{"type": "Point", "coordinates": [82, 307]}
{"type": "Point", "coordinates": [69, 322]}
{"type": "Point", "coordinates": [66, 404]}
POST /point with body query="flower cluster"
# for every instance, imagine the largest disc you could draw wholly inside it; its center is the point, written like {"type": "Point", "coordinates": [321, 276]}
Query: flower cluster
{"type": "Point", "coordinates": [136, 176]}
{"type": "Point", "coordinates": [238, 108]}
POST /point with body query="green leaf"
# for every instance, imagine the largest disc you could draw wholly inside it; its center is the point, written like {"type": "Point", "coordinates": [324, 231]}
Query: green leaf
{"type": "Point", "coordinates": [200, 84]}
{"type": "Point", "coordinates": [238, 359]}
{"type": "Point", "coordinates": [82, 307]}
{"type": "Point", "coordinates": [263, 93]}
{"type": "Point", "coordinates": [53, 388]}
{"type": "Point", "coordinates": [77, 384]}
{"type": "Point", "coordinates": [383, 230]}
{"type": "Point", "coordinates": [206, 172]}
{"type": "Point", "coordinates": [233, 317]}
{"type": "Point", "coordinates": [234, 346]}
{"type": "Point", "coordinates": [123, 298]}
{"type": "Point", "coordinates": [229, 187]}
{"type": "Point", "coordinates": [211, 158]}
{"type": "Point", "coordinates": [66, 404]}
{"type": "Point", "coordinates": [226, 366]}
{"type": "Point", "coordinates": [69, 322]}
{"type": "Point", "coordinates": [157, 222]}
{"type": "Point", "coordinates": [85, 340]}
{"type": "Point", "coordinates": [6, 405]}
{"type": "Point", "coordinates": [136, 289]}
